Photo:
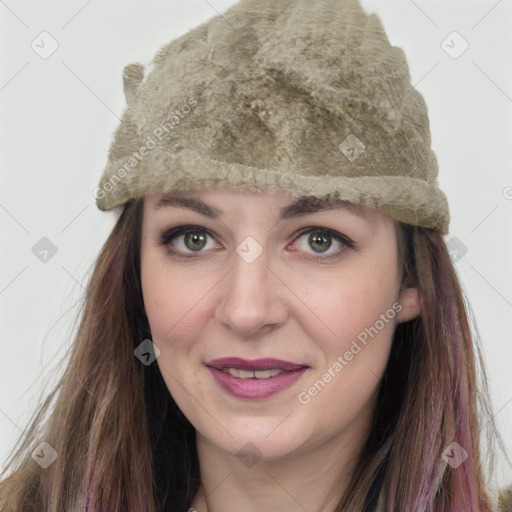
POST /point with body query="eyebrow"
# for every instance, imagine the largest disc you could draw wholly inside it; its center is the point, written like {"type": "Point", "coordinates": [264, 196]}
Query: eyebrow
{"type": "Point", "coordinates": [302, 206]}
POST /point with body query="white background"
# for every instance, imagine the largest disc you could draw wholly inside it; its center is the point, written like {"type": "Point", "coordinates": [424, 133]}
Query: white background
{"type": "Point", "coordinates": [58, 116]}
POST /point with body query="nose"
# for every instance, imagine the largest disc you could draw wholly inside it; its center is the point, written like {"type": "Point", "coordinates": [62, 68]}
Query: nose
{"type": "Point", "coordinates": [252, 299]}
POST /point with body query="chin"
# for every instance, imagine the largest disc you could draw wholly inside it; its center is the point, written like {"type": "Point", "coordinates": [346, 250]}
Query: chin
{"type": "Point", "coordinates": [260, 440]}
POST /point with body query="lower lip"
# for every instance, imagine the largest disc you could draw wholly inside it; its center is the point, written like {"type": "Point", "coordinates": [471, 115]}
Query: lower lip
{"type": "Point", "coordinates": [256, 388]}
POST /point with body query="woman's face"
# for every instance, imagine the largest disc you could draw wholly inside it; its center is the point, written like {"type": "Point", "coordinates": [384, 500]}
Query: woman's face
{"type": "Point", "coordinates": [256, 279]}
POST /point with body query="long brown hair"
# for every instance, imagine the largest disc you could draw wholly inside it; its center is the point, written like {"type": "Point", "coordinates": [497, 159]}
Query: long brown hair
{"type": "Point", "coordinates": [124, 445]}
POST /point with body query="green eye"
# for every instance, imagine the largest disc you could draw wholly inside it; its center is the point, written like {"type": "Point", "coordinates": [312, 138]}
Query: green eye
{"type": "Point", "coordinates": [189, 241]}
{"type": "Point", "coordinates": [320, 240]}
{"type": "Point", "coordinates": [184, 241]}
{"type": "Point", "coordinates": [194, 240]}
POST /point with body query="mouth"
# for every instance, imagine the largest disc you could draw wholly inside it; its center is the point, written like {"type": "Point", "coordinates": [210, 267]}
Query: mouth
{"type": "Point", "coordinates": [256, 374]}
{"type": "Point", "coordinates": [258, 368]}
{"type": "Point", "coordinates": [259, 378]}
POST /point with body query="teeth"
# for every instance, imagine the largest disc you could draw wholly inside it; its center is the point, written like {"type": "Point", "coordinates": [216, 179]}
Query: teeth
{"type": "Point", "coordinates": [232, 371]}
{"type": "Point", "coordinates": [262, 374]}
{"type": "Point", "coordinates": [258, 374]}
{"type": "Point", "coordinates": [265, 374]}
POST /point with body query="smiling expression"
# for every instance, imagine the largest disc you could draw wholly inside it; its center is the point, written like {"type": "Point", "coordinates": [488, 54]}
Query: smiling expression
{"type": "Point", "coordinates": [253, 275]}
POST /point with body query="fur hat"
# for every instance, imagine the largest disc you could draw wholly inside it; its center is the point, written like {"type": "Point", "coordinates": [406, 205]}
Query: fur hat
{"type": "Point", "coordinates": [305, 97]}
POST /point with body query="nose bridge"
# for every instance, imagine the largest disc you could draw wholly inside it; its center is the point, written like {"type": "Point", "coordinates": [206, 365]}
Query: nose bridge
{"type": "Point", "coordinates": [250, 298]}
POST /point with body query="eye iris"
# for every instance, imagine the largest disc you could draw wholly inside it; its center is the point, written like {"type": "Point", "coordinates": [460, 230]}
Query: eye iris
{"type": "Point", "coordinates": [196, 238]}
{"type": "Point", "coordinates": [317, 239]}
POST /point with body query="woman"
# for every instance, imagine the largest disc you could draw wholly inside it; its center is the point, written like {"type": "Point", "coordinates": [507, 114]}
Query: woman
{"type": "Point", "coordinates": [274, 322]}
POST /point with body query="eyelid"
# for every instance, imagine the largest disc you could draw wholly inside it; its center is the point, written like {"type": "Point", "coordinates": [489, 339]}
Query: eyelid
{"type": "Point", "coordinates": [343, 240]}
{"type": "Point", "coordinates": [167, 235]}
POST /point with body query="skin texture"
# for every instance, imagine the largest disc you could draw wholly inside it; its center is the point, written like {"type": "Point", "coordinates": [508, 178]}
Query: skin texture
{"type": "Point", "coordinates": [292, 303]}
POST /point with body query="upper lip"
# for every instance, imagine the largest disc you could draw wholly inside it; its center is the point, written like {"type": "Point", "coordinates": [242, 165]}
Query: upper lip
{"type": "Point", "coordinates": [267, 363]}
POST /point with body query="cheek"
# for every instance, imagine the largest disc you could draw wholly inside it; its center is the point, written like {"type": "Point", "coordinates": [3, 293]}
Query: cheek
{"type": "Point", "coordinates": [175, 301]}
{"type": "Point", "coordinates": [358, 311]}
{"type": "Point", "coordinates": [353, 302]}
{"type": "Point", "coordinates": [175, 310]}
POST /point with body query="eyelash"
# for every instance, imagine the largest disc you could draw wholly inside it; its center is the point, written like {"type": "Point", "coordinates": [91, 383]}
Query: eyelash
{"type": "Point", "coordinates": [167, 236]}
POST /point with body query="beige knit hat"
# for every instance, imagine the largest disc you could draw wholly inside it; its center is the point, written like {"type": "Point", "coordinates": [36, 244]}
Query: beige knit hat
{"type": "Point", "coordinates": [305, 97]}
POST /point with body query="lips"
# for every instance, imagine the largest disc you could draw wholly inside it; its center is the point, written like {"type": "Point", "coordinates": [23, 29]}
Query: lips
{"type": "Point", "coordinates": [248, 365]}
{"type": "Point", "coordinates": [255, 379]}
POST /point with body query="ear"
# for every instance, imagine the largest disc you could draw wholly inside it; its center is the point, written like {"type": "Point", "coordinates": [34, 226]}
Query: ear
{"type": "Point", "coordinates": [411, 306]}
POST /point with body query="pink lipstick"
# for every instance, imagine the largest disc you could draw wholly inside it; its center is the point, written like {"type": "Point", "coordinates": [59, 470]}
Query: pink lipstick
{"type": "Point", "coordinates": [255, 379]}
